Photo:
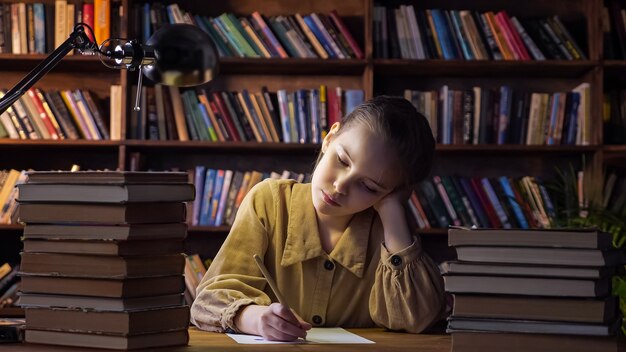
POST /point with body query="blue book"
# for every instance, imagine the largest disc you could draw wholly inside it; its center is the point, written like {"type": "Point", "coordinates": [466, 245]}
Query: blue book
{"type": "Point", "coordinates": [445, 37]}
{"type": "Point", "coordinates": [205, 116]}
{"type": "Point", "coordinates": [554, 113]}
{"type": "Point", "coordinates": [572, 119]}
{"type": "Point", "coordinates": [318, 34]}
{"type": "Point", "coordinates": [283, 108]}
{"type": "Point", "coordinates": [493, 199]}
{"type": "Point", "coordinates": [547, 201]}
{"type": "Point", "coordinates": [145, 19]}
{"type": "Point", "coordinates": [458, 30]}
{"type": "Point", "coordinates": [301, 115]}
{"type": "Point", "coordinates": [314, 105]}
{"type": "Point", "coordinates": [207, 195]}
{"type": "Point", "coordinates": [198, 181]}
{"type": "Point", "coordinates": [510, 196]}
{"type": "Point", "coordinates": [475, 202]}
{"type": "Point", "coordinates": [217, 194]}
{"type": "Point", "coordinates": [354, 98]}
{"type": "Point", "coordinates": [504, 119]}
{"type": "Point", "coordinates": [40, 28]}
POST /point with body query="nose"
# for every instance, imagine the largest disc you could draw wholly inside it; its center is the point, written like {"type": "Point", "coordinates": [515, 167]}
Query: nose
{"type": "Point", "coordinates": [341, 184]}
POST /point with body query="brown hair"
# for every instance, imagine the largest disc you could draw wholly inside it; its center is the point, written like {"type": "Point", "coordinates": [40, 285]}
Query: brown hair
{"type": "Point", "coordinates": [407, 131]}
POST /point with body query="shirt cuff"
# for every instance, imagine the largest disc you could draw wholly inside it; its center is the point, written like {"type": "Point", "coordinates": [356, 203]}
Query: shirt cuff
{"type": "Point", "coordinates": [400, 259]}
{"type": "Point", "coordinates": [228, 318]}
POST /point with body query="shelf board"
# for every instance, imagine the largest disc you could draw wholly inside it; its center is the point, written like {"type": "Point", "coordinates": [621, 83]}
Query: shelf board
{"type": "Point", "coordinates": [517, 149]}
{"type": "Point", "coordinates": [433, 232]}
{"type": "Point", "coordinates": [208, 229]}
{"type": "Point", "coordinates": [225, 146]}
{"type": "Point", "coordinates": [292, 66]}
{"type": "Point", "coordinates": [12, 312]}
{"type": "Point", "coordinates": [65, 143]}
{"type": "Point", "coordinates": [74, 63]}
{"type": "Point", "coordinates": [552, 68]}
{"type": "Point", "coordinates": [11, 227]}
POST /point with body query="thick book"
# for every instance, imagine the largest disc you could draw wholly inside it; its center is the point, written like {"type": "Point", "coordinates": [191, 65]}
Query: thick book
{"type": "Point", "coordinates": [105, 247]}
{"type": "Point", "coordinates": [107, 177]}
{"type": "Point", "coordinates": [528, 286]}
{"type": "Point", "coordinates": [129, 342]}
{"type": "Point", "coordinates": [121, 288]}
{"type": "Point", "coordinates": [497, 269]}
{"type": "Point", "coordinates": [108, 193]}
{"type": "Point", "coordinates": [101, 266]}
{"type": "Point", "coordinates": [41, 300]}
{"type": "Point", "coordinates": [132, 213]}
{"type": "Point", "coordinates": [106, 322]}
{"type": "Point", "coordinates": [566, 238]}
{"type": "Point", "coordinates": [533, 326]}
{"type": "Point", "coordinates": [536, 308]}
{"type": "Point", "coordinates": [536, 255]}
{"type": "Point", "coordinates": [512, 342]}
{"type": "Point", "coordinates": [106, 232]}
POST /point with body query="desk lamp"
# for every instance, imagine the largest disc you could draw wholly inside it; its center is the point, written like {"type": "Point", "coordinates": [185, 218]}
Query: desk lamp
{"type": "Point", "coordinates": [177, 55]}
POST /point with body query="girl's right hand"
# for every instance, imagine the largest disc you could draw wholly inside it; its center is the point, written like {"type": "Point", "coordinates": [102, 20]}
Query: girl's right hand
{"type": "Point", "coordinates": [274, 322]}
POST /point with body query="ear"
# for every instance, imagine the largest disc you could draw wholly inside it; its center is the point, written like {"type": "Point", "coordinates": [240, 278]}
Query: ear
{"type": "Point", "coordinates": [331, 134]}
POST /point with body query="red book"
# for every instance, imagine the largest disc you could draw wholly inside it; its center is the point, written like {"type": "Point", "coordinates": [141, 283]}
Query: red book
{"type": "Point", "coordinates": [42, 114]}
{"type": "Point", "coordinates": [482, 197]}
{"type": "Point", "coordinates": [228, 122]}
{"type": "Point", "coordinates": [510, 36]}
{"type": "Point", "coordinates": [88, 18]}
{"type": "Point", "coordinates": [334, 114]}
{"type": "Point", "coordinates": [516, 35]}
{"type": "Point", "coordinates": [346, 33]}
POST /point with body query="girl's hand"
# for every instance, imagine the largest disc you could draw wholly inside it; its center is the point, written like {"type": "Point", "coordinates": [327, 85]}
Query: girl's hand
{"type": "Point", "coordinates": [394, 201]}
{"type": "Point", "coordinates": [275, 322]}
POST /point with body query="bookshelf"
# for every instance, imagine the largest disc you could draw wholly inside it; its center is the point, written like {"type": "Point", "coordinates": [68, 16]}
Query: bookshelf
{"type": "Point", "coordinates": [373, 75]}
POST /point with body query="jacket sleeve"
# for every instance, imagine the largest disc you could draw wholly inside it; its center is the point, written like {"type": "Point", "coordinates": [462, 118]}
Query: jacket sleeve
{"type": "Point", "coordinates": [233, 280]}
{"type": "Point", "coordinates": [408, 290]}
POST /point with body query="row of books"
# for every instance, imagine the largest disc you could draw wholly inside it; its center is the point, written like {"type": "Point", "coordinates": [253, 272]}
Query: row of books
{"type": "Point", "coordinates": [547, 290]}
{"type": "Point", "coordinates": [614, 110]}
{"type": "Point", "coordinates": [111, 274]}
{"type": "Point", "coordinates": [302, 116]}
{"type": "Point", "coordinates": [407, 33]}
{"type": "Point", "coordinates": [8, 194]}
{"type": "Point", "coordinates": [194, 272]}
{"type": "Point", "coordinates": [9, 285]}
{"type": "Point", "coordinates": [501, 202]}
{"type": "Point", "coordinates": [219, 192]}
{"type": "Point", "coordinates": [506, 116]}
{"type": "Point", "coordinates": [39, 28]}
{"type": "Point", "coordinates": [53, 114]}
{"type": "Point", "coordinates": [310, 36]}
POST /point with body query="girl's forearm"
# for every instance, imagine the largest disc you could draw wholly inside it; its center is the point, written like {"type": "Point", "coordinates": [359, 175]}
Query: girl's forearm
{"type": "Point", "coordinates": [246, 319]}
{"type": "Point", "coordinates": [397, 234]}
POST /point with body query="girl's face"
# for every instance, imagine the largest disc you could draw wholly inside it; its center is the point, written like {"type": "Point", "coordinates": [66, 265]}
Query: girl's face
{"type": "Point", "coordinates": [357, 170]}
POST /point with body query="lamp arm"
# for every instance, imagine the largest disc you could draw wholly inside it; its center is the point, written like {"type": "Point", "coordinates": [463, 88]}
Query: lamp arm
{"type": "Point", "coordinates": [78, 39]}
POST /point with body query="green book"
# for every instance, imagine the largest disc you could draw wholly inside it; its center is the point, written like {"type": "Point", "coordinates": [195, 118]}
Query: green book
{"type": "Point", "coordinates": [238, 36]}
{"type": "Point", "coordinates": [192, 125]}
{"type": "Point", "coordinates": [235, 21]}
{"type": "Point", "coordinates": [191, 101]}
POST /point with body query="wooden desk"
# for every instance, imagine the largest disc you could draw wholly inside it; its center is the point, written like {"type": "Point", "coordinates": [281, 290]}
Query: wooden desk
{"type": "Point", "coordinates": [201, 341]}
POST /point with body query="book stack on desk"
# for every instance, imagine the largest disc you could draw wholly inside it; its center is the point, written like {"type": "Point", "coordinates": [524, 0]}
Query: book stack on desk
{"type": "Point", "coordinates": [102, 264]}
{"type": "Point", "coordinates": [532, 290]}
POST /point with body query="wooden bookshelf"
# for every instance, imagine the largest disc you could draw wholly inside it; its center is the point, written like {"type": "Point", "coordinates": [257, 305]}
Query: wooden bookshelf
{"type": "Point", "coordinates": [374, 76]}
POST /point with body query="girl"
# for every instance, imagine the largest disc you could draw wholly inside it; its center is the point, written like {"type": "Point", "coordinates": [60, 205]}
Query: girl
{"type": "Point", "coordinates": [339, 248]}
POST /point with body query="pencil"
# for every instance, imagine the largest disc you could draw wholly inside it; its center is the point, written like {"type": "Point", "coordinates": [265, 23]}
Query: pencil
{"type": "Point", "coordinates": [271, 282]}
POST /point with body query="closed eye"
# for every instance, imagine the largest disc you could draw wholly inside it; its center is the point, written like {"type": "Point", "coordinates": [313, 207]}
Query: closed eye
{"type": "Point", "coordinates": [341, 161]}
{"type": "Point", "coordinates": [368, 188]}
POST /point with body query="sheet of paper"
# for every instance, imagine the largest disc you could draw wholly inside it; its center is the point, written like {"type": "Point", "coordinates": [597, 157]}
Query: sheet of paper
{"type": "Point", "coordinates": [314, 336]}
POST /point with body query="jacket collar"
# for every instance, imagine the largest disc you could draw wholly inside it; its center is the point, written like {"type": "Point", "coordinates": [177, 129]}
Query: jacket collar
{"type": "Point", "coordinates": [303, 242]}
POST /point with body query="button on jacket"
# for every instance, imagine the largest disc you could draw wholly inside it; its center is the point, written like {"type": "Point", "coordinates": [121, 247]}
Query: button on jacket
{"type": "Point", "coordinates": [359, 284]}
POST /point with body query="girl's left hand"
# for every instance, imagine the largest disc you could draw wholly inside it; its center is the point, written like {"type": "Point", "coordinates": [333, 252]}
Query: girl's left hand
{"type": "Point", "coordinates": [393, 201]}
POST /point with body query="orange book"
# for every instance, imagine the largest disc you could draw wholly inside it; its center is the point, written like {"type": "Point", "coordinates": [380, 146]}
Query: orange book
{"type": "Point", "coordinates": [506, 51]}
{"type": "Point", "coordinates": [102, 20]}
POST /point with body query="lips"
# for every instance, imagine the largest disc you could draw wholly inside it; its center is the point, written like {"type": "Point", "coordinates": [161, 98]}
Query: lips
{"type": "Point", "coordinates": [329, 200]}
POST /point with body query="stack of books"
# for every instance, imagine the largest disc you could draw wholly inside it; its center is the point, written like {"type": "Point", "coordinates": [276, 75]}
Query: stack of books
{"type": "Point", "coordinates": [102, 264]}
{"type": "Point", "coordinates": [532, 290]}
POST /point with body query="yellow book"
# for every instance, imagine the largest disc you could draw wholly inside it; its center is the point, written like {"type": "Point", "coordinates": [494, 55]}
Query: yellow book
{"type": "Point", "coordinates": [8, 185]}
{"type": "Point", "coordinates": [102, 19]}
{"type": "Point", "coordinates": [268, 117]}
{"type": "Point", "coordinates": [179, 114]}
{"type": "Point", "coordinates": [319, 49]}
{"type": "Point", "coordinates": [248, 28]}
{"type": "Point", "coordinates": [255, 131]}
{"type": "Point", "coordinates": [262, 118]}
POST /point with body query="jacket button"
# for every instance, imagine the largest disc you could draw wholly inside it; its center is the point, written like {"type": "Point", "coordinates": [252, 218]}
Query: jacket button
{"type": "Point", "coordinates": [328, 265]}
{"type": "Point", "coordinates": [396, 260]}
{"type": "Point", "coordinates": [317, 320]}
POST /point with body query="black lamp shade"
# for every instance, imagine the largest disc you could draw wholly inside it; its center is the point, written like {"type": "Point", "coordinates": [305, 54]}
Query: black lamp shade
{"type": "Point", "coordinates": [185, 56]}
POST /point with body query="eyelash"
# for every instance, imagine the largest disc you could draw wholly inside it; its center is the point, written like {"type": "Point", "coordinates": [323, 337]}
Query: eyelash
{"type": "Point", "coordinates": [363, 184]}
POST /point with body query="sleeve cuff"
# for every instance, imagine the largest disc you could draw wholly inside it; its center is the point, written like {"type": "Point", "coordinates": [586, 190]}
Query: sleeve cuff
{"type": "Point", "coordinates": [228, 318]}
{"type": "Point", "coordinates": [400, 259]}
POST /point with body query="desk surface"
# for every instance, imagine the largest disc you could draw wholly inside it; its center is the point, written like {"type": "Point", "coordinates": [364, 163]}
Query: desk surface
{"type": "Point", "coordinates": [208, 342]}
